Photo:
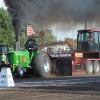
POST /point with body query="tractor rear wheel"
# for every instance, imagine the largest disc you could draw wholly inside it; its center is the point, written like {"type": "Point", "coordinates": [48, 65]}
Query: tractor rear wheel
{"type": "Point", "coordinates": [96, 66]}
{"type": "Point", "coordinates": [41, 65]}
{"type": "Point", "coordinates": [89, 67]}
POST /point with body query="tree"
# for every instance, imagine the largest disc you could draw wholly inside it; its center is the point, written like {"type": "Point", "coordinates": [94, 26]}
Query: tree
{"type": "Point", "coordinates": [23, 37]}
{"type": "Point", "coordinates": [22, 40]}
{"type": "Point", "coordinates": [48, 37]}
{"type": "Point", "coordinates": [7, 35]}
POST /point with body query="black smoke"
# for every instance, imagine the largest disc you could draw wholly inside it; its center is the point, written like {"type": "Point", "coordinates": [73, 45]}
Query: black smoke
{"type": "Point", "coordinates": [66, 13]}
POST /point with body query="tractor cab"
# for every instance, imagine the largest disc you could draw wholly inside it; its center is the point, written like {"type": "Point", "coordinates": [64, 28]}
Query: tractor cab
{"type": "Point", "coordinates": [88, 40]}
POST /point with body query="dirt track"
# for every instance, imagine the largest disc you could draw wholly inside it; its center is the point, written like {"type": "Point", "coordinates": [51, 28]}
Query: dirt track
{"type": "Point", "coordinates": [90, 91]}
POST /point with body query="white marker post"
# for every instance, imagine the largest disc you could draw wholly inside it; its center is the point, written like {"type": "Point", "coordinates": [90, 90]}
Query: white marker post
{"type": "Point", "coordinates": [6, 79]}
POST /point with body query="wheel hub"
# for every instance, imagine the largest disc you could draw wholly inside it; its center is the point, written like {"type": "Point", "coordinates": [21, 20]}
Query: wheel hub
{"type": "Point", "coordinates": [21, 71]}
{"type": "Point", "coordinates": [46, 66]}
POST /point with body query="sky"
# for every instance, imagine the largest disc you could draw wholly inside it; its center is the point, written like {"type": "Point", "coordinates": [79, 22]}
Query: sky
{"type": "Point", "coordinates": [61, 35]}
{"type": "Point", "coordinates": [2, 4]}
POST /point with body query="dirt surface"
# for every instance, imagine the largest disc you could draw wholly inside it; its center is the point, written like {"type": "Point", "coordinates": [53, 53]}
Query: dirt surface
{"type": "Point", "coordinates": [90, 91]}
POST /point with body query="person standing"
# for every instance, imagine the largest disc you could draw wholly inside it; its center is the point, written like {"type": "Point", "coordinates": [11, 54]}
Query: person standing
{"type": "Point", "coordinates": [3, 58]}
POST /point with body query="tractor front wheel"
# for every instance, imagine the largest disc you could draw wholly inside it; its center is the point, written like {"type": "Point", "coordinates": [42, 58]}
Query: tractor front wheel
{"type": "Point", "coordinates": [19, 72]}
{"type": "Point", "coordinates": [41, 65]}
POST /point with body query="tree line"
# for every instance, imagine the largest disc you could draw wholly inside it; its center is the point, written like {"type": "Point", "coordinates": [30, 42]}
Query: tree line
{"type": "Point", "coordinates": [7, 35]}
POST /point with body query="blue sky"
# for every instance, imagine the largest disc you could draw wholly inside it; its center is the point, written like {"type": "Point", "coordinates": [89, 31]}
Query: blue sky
{"type": "Point", "coordinates": [60, 34]}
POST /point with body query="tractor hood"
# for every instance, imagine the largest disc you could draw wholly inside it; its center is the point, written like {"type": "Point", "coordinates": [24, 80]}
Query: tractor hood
{"type": "Point", "coordinates": [16, 57]}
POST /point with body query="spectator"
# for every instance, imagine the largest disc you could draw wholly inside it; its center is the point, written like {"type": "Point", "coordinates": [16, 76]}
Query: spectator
{"type": "Point", "coordinates": [3, 58]}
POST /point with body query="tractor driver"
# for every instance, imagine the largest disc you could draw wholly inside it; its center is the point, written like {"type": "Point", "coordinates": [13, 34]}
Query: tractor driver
{"type": "Point", "coordinates": [91, 42]}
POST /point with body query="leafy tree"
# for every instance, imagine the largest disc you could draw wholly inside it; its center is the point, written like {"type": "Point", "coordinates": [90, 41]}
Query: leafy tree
{"type": "Point", "coordinates": [22, 40]}
{"type": "Point", "coordinates": [7, 35]}
{"type": "Point", "coordinates": [48, 36]}
{"type": "Point", "coordinates": [6, 30]}
{"type": "Point", "coordinates": [23, 37]}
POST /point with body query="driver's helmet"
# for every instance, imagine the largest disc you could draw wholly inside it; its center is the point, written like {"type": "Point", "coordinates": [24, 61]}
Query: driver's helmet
{"type": "Point", "coordinates": [30, 43]}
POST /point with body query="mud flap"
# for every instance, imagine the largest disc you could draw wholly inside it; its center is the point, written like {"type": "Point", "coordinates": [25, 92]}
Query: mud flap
{"type": "Point", "coordinates": [64, 65]}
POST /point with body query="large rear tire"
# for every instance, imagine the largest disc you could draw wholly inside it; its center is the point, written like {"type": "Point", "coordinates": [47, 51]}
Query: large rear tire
{"type": "Point", "coordinates": [96, 67]}
{"type": "Point", "coordinates": [41, 65]}
{"type": "Point", "coordinates": [89, 67]}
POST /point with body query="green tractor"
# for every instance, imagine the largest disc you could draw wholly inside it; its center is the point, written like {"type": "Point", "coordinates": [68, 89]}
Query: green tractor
{"type": "Point", "coordinates": [29, 62]}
